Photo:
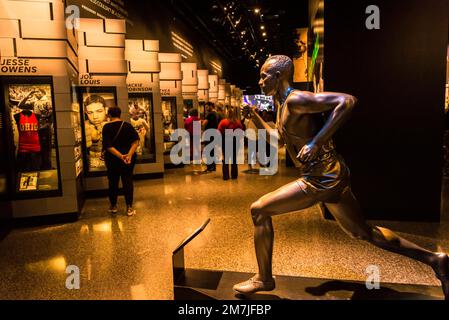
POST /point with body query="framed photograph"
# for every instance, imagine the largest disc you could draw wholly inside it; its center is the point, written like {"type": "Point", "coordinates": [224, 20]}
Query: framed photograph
{"type": "Point", "coordinates": [170, 120]}
{"type": "Point", "coordinates": [95, 102]}
{"type": "Point", "coordinates": [140, 108]}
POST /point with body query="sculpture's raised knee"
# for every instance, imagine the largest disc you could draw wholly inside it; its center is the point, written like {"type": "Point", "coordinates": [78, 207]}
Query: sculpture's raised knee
{"type": "Point", "coordinates": [258, 213]}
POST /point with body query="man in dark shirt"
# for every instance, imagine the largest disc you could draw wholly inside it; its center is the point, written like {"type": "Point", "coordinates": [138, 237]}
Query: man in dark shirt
{"type": "Point", "coordinates": [211, 122]}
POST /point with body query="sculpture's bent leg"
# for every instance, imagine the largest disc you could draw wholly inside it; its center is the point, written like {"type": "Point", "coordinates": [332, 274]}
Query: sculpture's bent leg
{"type": "Point", "coordinates": [348, 214]}
{"type": "Point", "coordinates": [289, 198]}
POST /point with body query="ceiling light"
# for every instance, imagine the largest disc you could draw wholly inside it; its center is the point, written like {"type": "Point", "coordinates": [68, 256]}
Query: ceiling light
{"type": "Point", "coordinates": [262, 27]}
{"type": "Point", "coordinates": [264, 34]}
{"type": "Point", "coordinates": [257, 11]}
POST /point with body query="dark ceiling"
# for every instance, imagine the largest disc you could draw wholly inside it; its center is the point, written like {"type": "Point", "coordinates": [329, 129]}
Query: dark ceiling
{"type": "Point", "coordinates": [244, 33]}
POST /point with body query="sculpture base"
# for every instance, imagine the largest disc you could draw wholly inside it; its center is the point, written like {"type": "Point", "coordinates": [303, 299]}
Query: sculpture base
{"type": "Point", "coordinates": [214, 285]}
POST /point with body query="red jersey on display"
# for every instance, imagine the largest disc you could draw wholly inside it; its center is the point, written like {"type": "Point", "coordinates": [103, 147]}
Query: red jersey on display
{"type": "Point", "coordinates": [29, 134]}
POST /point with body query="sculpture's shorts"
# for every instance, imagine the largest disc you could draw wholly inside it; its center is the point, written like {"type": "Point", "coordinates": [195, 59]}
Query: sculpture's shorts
{"type": "Point", "coordinates": [325, 179]}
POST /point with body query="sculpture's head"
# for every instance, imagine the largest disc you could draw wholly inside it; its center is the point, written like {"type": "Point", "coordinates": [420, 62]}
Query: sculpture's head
{"type": "Point", "coordinates": [276, 70]}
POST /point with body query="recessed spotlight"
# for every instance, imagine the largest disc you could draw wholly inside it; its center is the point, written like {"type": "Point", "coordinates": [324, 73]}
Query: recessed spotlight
{"type": "Point", "coordinates": [256, 10]}
{"type": "Point", "coordinates": [264, 34]}
{"type": "Point", "coordinates": [262, 27]}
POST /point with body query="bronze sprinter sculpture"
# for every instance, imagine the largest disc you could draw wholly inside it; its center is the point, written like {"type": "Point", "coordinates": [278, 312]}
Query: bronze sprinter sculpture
{"type": "Point", "coordinates": [325, 177]}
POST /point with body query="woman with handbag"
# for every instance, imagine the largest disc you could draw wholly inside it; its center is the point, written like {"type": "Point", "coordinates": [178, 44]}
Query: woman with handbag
{"type": "Point", "coordinates": [120, 141]}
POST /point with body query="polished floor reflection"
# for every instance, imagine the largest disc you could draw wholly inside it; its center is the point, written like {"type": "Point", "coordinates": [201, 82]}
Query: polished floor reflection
{"type": "Point", "coordinates": [130, 258]}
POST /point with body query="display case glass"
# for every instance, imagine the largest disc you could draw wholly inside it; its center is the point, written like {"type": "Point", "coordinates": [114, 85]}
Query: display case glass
{"type": "Point", "coordinates": [140, 108]}
{"type": "Point", "coordinates": [170, 120]}
{"type": "Point", "coordinates": [188, 105]}
{"type": "Point", "coordinates": [77, 131]}
{"type": "Point", "coordinates": [30, 136]}
{"type": "Point", "coordinates": [202, 110]}
{"type": "Point", "coordinates": [95, 102]}
{"type": "Point", "coordinates": [3, 158]}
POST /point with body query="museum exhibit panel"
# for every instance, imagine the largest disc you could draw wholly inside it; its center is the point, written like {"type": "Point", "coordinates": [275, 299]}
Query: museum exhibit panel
{"type": "Point", "coordinates": [38, 70]}
{"type": "Point", "coordinates": [233, 96]}
{"type": "Point", "coordinates": [222, 91]}
{"type": "Point", "coordinates": [228, 94]}
{"type": "Point", "coordinates": [5, 205]}
{"type": "Point", "coordinates": [144, 104]}
{"type": "Point", "coordinates": [102, 84]}
{"type": "Point", "coordinates": [203, 91]}
{"type": "Point", "coordinates": [30, 109]}
{"type": "Point", "coordinates": [172, 100]}
{"type": "Point", "coordinates": [447, 82]}
{"type": "Point", "coordinates": [189, 87]}
{"type": "Point", "coordinates": [213, 88]}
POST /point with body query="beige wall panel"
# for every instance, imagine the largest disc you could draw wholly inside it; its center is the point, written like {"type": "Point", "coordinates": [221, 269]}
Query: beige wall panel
{"type": "Point", "coordinates": [41, 48]}
{"type": "Point", "coordinates": [221, 92]}
{"type": "Point", "coordinates": [44, 29]}
{"type": "Point", "coordinates": [107, 66]}
{"type": "Point", "coordinates": [170, 57]}
{"type": "Point", "coordinates": [213, 84]}
{"type": "Point", "coordinates": [203, 79]}
{"type": "Point", "coordinates": [115, 26]}
{"type": "Point", "coordinates": [72, 57]}
{"type": "Point", "coordinates": [203, 95]}
{"type": "Point", "coordinates": [170, 74]}
{"type": "Point", "coordinates": [190, 90]}
{"type": "Point", "coordinates": [102, 40]}
{"type": "Point", "coordinates": [6, 47]}
{"type": "Point", "coordinates": [61, 84]}
{"type": "Point", "coordinates": [189, 72]}
{"type": "Point", "coordinates": [62, 102]}
{"type": "Point", "coordinates": [64, 120]}
{"type": "Point", "coordinates": [9, 28]}
{"type": "Point", "coordinates": [133, 45]}
{"type": "Point", "coordinates": [72, 37]}
{"type": "Point", "coordinates": [98, 52]}
{"type": "Point", "coordinates": [67, 154]}
{"type": "Point", "coordinates": [144, 66]}
{"type": "Point", "coordinates": [141, 55]}
{"type": "Point", "coordinates": [151, 45]}
{"type": "Point", "coordinates": [66, 137]}
{"type": "Point", "coordinates": [24, 10]}
{"type": "Point", "coordinates": [91, 25]}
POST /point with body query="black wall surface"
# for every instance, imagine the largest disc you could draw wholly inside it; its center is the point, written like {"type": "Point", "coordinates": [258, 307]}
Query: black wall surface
{"type": "Point", "coordinates": [393, 142]}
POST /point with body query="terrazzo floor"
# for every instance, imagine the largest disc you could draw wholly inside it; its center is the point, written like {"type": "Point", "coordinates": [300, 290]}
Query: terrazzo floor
{"type": "Point", "coordinates": [130, 258]}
